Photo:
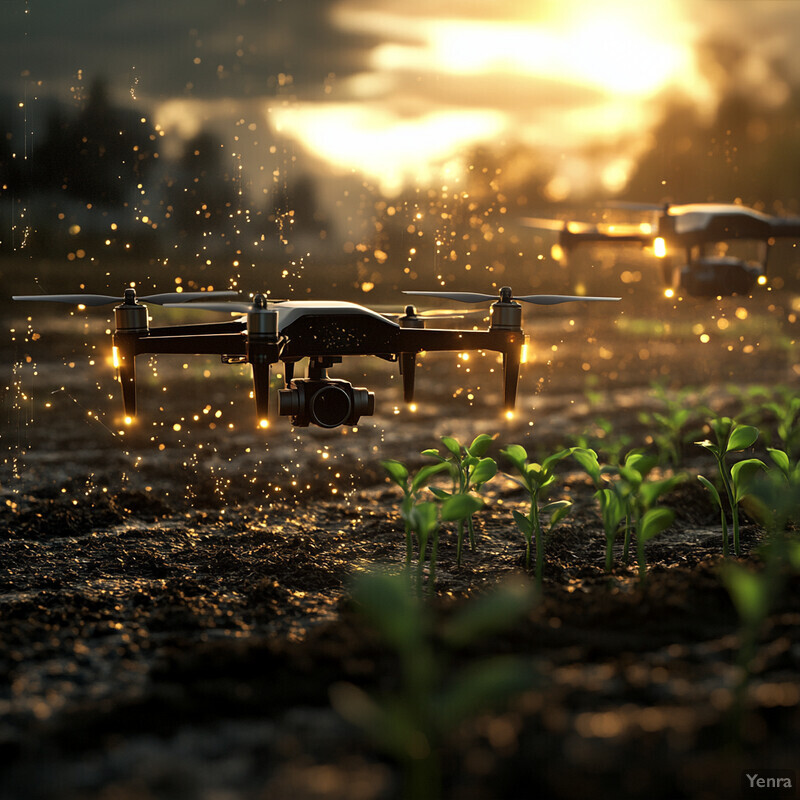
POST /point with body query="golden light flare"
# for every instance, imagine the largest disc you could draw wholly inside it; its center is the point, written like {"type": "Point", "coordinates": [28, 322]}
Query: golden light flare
{"type": "Point", "coordinates": [423, 100]}
{"type": "Point", "coordinates": [263, 423]}
{"type": "Point", "coordinates": [659, 247]}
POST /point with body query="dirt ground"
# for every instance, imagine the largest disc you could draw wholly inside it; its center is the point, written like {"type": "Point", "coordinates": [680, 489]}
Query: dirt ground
{"type": "Point", "coordinates": [174, 604]}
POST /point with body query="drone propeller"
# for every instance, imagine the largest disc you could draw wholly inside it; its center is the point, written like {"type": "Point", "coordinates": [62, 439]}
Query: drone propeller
{"type": "Point", "coordinates": [507, 297]}
{"type": "Point", "coordinates": [259, 303]}
{"type": "Point", "coordinates": [628, 205]}
{"type": "Point", "coordinates": [165, 299]}
{"type": "Point", "coordinates": [429, 314]}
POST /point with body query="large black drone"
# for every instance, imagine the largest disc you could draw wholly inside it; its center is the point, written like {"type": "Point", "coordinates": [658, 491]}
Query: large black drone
{"type": "Point", "coordinates": [322, 331]}
{"type": "Point", "coordinates": [702, 231]}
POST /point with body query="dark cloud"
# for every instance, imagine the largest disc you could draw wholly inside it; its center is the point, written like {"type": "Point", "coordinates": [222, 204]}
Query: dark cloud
{"type": "Point", "coordinates": [152, 46]}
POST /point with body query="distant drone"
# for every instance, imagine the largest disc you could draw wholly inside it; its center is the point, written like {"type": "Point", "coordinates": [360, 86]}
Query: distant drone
{"type": "Point", "coordinates": [322, 331]}
{"type": "Point", "coordinates": [699, 229]}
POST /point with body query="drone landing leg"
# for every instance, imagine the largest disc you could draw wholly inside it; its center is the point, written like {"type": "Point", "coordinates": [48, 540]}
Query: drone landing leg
{"type": "Point", "coordinates": [261, 379]}
{"type": "Point", "coordinates": [407, 367]}
{"type": "Point", "coordinates": [127, 379]}
{"type": "Point", "coordinates": [511, 362]}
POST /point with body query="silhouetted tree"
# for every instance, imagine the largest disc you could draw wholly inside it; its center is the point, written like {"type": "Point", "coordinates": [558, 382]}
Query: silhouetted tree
{"type": "Point", "coordinates": [201, 195]}
{"type": "Point", "coordinates": [100, 156]}
{"type": "Point", "coordinates": [9, 166]}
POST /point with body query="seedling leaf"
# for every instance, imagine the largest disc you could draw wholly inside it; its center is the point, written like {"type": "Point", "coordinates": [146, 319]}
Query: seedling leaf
{"type": "Point", "coordinates": [711, 488]}
{"type": "Point", "coordinates": [743, 474]}
{"type": "Point", "coordinates": [460, 506]}
{"type": "Point", "coordinates": [517, 455]}
{"type": "Point", "coordinates": [424, 518]}
{"type": "Point", "coordinates": [588, 460]}
{"type": "Point", "coordinates": [781, 460]}
{"type": "Point", "coordinates": [491, 613]}
{"type": "Point", "coordinates": [397, 472]}
{"type": "Point", "coordinates": [425, 474]}
{"type": "Point", "coordinates": [452, 445]}
{"type": "Point", "coordinates": [480, 444]}
{"type": "Point", "coordinates": [481, 686]}
{"type": "Point", "coordinates": [432, 453]}
{"type": "Point", "coordinates": [748, 591]}
{"type": "Point", "coordinates": [483, 471]}
{"type": "Point", "coordinates": [523, 523]}
{"type": "Point", "coordinates": [654, 522]}
{"type": "Point", "coordinates": [742, 437]}
{"type": "Point", "coordinates": [557, 511]}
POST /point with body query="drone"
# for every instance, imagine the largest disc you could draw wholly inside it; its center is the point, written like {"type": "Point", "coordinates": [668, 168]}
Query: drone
{"type": "Point", "coordinates": [702, 231]}
{"type": "Point", "coordinates": [288, 331]}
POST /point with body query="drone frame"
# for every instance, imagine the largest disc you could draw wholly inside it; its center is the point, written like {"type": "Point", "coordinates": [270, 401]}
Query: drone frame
{"type": "Point", "coordinates": [322, 338]}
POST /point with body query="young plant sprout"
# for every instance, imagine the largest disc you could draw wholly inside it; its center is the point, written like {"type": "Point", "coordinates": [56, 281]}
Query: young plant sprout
{"type": "Point", "coordinates": [652, 522]}
{"type": "Point", "coordinates": [432, 697]}
{"type": "Point", "coordinates": [424, 521]}
{"type": "Point", "coordinates": [737, 480]}
{"type": "Point", "coordinates": [624, 492]}
{"type": "Point", "coordinates": [536, 479]}
{"type": "Point", "coordinates": [712, 490]}
{"type": "Point", "coordinates": [612, 504]}
{"type": "Point", "coordinates": [604, 440]}
{"type": "Point", "coordinates": [411, 487]}
{"type": "Point", "coordinates": [787, 416]}
{"type": "Point", "coordinates": [669, 423]}
{"type": "Point", "coordinates": [470, 470]}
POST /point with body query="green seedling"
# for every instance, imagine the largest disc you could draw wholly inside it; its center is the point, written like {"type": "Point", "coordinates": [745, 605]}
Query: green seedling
{"type": "Point", "coordinates": [470, 469]}
{"type": "Point", "coordinates": [751, 401]}
{"type": "Point", "coordinates": [669, 424]}
{"type": "Point", "coordinates": [652, 522]}
{"type": "Point", "coordinates": [604, 440]}
{"type": "Point", "coordinates": [411, 487]}
{"type": "Point", "coordinates": [536, 479]}
{"type": "Point", "coordinates": [608, 495]}
{"type": "Point", "coordinates": [712, 490]}
{"type": "Point", "coordinates": [624, 493]}
{"type": "Point", "coordinates": [433, 696]}
{"type": "Point", "coordinates": [424, 521]}
{"type": "Point", "coordinates": [787, 418]}
{"type": "Point", "coordinates": [612, 511]}
{"type": "Point", "coordinates": [776, 493]}
{"type": "Point", "coordinates": [737, 480]}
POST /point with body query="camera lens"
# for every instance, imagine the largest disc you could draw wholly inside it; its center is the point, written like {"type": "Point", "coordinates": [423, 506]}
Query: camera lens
{"type": "Point", "coordinates": [330, 406]}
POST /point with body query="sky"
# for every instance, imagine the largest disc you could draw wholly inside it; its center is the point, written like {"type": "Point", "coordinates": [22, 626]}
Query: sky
{"type": "Point", "coordinates": [396, 91]}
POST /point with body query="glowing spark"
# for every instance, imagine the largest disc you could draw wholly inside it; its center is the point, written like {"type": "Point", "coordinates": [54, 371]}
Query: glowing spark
{"type": "Point", "coordinates": [669, 293]}
{"type": "Point", "coordinates": [509, 414]}
{"type": "Point", "coordinates": [412, 408]}
{"type": "Point", "coordinates": [115, 357]}
{"type": "Point", "coordinates": [659, 247]}
{"type": "Point", "coordinates": [762, 280]}
{"type": "Point", "coordinates": [129, 420]}
{"type": "Point", "coordinates": [263, 423]}
{"type": "Point", "coordinates": [523, 355]}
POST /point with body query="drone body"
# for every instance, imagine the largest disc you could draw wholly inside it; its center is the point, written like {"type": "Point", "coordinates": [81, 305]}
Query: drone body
{"type": "Point", "coordinates": [266, 333]}
{"type": "Point", "coordinates": [694, 229]}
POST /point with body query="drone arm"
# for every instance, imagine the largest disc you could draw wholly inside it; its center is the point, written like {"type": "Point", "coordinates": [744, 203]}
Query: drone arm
{"type": "Point", "coordinates": [786, 227]}
{"type": "Point", "coordinates": [507, 342]}
{"type": "Point", "coordinates": [569, 240]}
{"type": "Point", "coordinates": [233, 344]}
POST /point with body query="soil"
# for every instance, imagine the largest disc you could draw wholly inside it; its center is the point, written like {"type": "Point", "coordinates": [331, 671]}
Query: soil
{"type": "Point", "coordinates": [174, 597]}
